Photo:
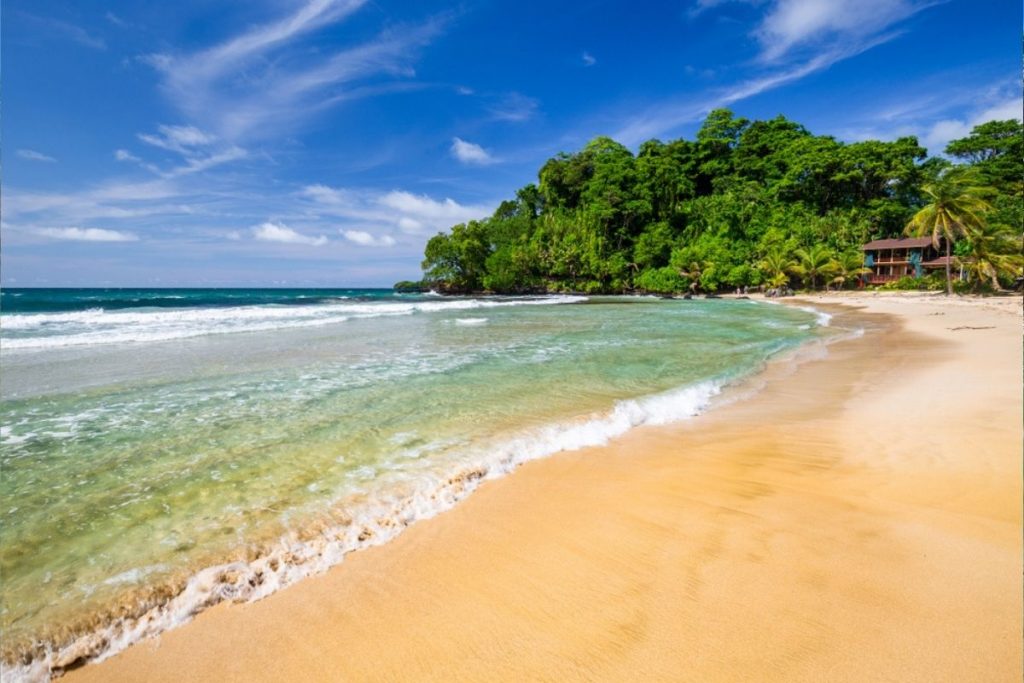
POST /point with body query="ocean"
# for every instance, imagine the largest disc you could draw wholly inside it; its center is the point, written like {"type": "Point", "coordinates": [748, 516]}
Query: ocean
{"type": "Point", "coordinates": [163, 450]}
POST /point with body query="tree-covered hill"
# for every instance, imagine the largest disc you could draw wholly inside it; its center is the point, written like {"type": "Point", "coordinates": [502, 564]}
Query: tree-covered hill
{"type": "Point", "coordinates": [747, 203]}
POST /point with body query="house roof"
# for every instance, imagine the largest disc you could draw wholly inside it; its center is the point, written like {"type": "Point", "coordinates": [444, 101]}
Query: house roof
{"type": "Point", "coordinates": [938, 262]}
{"type": "Point", "coordinates": [899, 243]}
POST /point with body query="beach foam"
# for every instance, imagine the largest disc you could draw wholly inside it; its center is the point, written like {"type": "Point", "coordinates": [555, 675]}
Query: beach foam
{"type": "Point", "coordinates": [98, 326]}
{"type": "Point", "coordinates": [376, 521]}
{"type": "Point", "coordinates": [289, 451]}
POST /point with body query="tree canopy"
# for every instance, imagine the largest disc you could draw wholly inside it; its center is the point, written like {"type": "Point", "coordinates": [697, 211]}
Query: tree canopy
{"type": "Point", "coordinates": [744, 204]}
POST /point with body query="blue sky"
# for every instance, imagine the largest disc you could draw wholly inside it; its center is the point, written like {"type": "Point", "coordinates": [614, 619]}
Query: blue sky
{"type": "Point", "coordinates": [322, 142]}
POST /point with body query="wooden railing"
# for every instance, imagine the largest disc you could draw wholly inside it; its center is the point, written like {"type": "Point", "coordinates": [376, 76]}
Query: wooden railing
{"type": "Point", "coordinates": [876, 279]}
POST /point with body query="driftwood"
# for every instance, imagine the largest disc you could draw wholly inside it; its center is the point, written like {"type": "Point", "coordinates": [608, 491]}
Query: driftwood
{"type": "Point", "coordinates": [968, 327]}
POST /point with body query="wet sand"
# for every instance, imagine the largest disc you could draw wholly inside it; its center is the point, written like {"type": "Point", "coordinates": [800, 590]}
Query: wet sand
{"type": "Point", "coordinates": [858, 518]}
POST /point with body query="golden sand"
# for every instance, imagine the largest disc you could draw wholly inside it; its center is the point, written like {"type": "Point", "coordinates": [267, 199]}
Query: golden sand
{"type": "Point", "coordinates": [858, 519]}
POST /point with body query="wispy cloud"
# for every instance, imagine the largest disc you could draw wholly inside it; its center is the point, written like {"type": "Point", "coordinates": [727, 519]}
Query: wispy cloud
{"type": "Point", "coordinates": [514, 107]}
{"type": "Point", "coordinates": [109, 200]}
{"type": "Point", "coordinates": [410, 213]}
{"type": "Point", "coordinates": [180, 139]}
{"type": "Point", "coordinates": [279, 232]}
{"type": "Point", "coordinates": [66, 30]}
{"type": "Point", "coordinates": [939, 134]}
{"type": "Point", "coordinates": [199, 150]}
{"type": "Point", "coordinates": [116, 20]}
{"type": "Point", "coordinates": [791, 25]}
{"type": "Point", "coordinates": [935, 119]}
{"type": "Point", "coordinates": [798, 38]}
{"type": "Point", "coordinates": [588, 59]}
{"type": "Point", "coordinates": [365, 239]}
{"type": "Point", "coordinates": [253, 84]}
{"type": "Point", "coordinates": [33, 155]}
{"type": "Point", "coordinates": [471, 153]}
{"type": "Point", "coordinates": [701, 6]}
{"type": "Point", "coordinates": [665, 117]}
{"type": "Point", "coordinates": [87, 234]}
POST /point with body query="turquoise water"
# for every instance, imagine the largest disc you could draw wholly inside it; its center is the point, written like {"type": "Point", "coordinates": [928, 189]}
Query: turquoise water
{"type": "Point", "coordinates": [158, 458]}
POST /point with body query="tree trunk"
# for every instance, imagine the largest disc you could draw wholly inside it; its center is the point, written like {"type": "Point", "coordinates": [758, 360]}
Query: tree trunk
{"type": "Point", "coordinates": [949, 274]}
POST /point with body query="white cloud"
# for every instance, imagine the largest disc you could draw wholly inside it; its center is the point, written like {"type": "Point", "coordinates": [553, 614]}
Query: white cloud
{"type": "Point", "coordinates": [180, 139]}
{"type": "Point", "coordinates": [365, 239]}
{"type": "Point", "coordinates": [250, 85]}
{"type": "Point", "coordinates": [793, 24]}
{"type": "Point", "coordinates": [66, 30]}
{"type": "Point", "coordinates": [470, 153]}
{"type": "Point", "coordinates": [409, 212]}
{"type": "Point", "coordinates": [427, 208]}
{"type": "Point", "coordinates": [407, 224]}
{"type": "Point", "coordinates": [798, 38]}
{"type": "Point", "coordinates": [278, 232]}
{"type": "Point", "coordinates": [197, 147]}
{"type": "Point", "coordinates": [464, 90]}
{"type": "Point", "coordinates": [702, 6]}
{"type": "Point", "coordinates": [107, 201]}
{"type": "Point", "coordinates": [940, 133]}
{"type": "Point", "coordinates": [196, 164]}
{"type": "Point", "coordinates": [33, 155]}
{"type": "Point", "coordinates": [588, 59]}
{"type": "Point", "coordinates": [87, 234]}
{"type": "Point", "coordinates": [1010, 108]}
{"type": "Point", "coordinates": [514, 107]}
{"type": "Point", "coordinates": [666, 117]}
{"type": "Point", "coordinates": [116, 20]}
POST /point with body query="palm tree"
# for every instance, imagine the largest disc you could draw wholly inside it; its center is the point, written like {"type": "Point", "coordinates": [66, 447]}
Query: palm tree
{"type": "Point", "coordinates": [848, 266]}
{"type": "Point", "coordinates": [776, 265]}
{"type": "Point", "coordinates": [813, 262]}
{"type": "Point", "coordinates": [993, 251]}
{"type": "Point", "coordinates": [693, 273]}
{"type": "Point", "coordinates": [956, 208]}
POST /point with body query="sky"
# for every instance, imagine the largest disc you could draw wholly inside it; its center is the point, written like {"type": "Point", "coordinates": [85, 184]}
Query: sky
{"type": "Point", "coordinates": [321, 142]}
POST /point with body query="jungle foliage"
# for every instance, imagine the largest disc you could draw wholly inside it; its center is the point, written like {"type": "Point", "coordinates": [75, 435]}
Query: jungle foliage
{"type": "Point", "coordinates": [747, 203]}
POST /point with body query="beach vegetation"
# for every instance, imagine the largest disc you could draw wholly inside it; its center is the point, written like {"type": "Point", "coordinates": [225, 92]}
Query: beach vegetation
{"type": "Point", "coordinates": [994, 255]}
{"type": "Point", "coordinates": [956, 207]}
{"type": "Point", "coordinates": [744, 204]}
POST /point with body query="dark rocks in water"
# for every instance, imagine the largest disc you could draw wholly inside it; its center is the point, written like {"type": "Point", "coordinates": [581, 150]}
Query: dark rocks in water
{"type": "Point", "coordinates": [409, 287]}
{"type": "Point", "coordinates": [687, 296]}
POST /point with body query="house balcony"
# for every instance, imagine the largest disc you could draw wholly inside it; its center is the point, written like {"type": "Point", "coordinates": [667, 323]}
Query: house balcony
{"type": "Point", "coordinates": [875, 279]}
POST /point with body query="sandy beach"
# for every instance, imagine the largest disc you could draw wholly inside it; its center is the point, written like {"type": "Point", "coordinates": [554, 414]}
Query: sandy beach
{"type": "Point", "coordinates": [853, 517]}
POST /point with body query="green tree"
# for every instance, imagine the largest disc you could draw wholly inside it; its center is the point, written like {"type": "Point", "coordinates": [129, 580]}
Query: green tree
{"type": "Point", "coordinates": [956, 209]}
{"type": "Point", "coordinates": [996, 150]}
{"type": "Point", "coordinates": [738, 201]}
{"type": "Point", "coordinates": [813, 263]}
{"type": "Point", "coordinates": [777, 266]}
{"type": "Point", "coordinates": [848, 267]}
{"type": "Point", "coordinates": [993, 252]}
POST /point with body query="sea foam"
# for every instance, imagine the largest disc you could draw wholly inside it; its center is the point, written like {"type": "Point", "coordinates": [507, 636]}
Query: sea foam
{"type": "Point", "coordinates": [97, 326]}
{"type": "Point", "coordinates": [375, 521]}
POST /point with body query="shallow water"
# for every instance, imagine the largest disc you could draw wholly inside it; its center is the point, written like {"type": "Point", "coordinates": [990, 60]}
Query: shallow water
{"type": "Point", "coordinates": [159, 456]}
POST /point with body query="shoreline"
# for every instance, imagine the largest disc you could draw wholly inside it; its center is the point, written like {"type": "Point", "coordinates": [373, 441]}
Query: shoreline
{"type": "Point", "coordinates": [277, 563]}
{"type": "Point", "coordinates": [422, 549]}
